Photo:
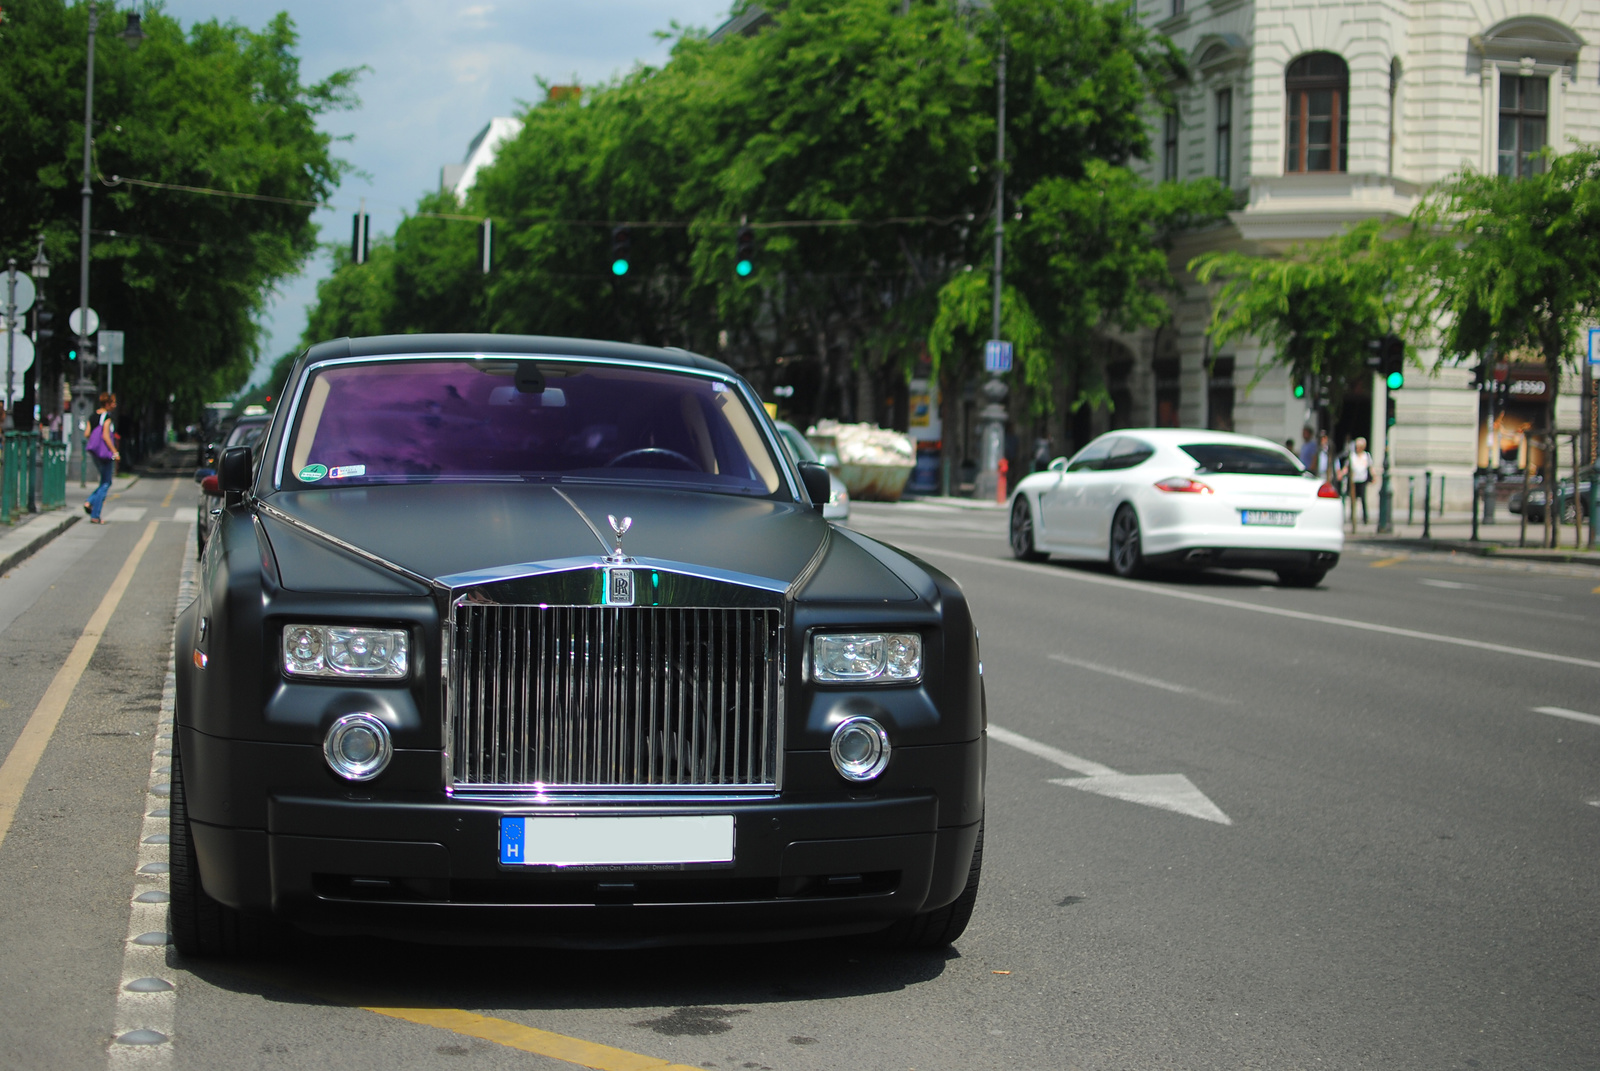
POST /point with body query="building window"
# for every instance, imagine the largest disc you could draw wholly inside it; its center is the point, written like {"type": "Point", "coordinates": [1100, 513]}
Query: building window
{"type": "Point", "coordinates": [1169, 392]}
{"type": "Point", "coordinates": [1318, 86]}
{"type": "Point", "coordinates": [1219, 395]}
{"type": "Point", "coordinates": [1169, 148]}
{"type": "Point", "coordinates": [1177, 8]}
{"type": "Point", "coordinates": [1524, 124]}
{"type": "Point", "coordinates": [1225, 136]}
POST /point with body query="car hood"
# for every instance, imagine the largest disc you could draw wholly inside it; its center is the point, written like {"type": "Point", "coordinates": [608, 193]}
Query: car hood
{"type": "Point", "coordinates": [444, 530]}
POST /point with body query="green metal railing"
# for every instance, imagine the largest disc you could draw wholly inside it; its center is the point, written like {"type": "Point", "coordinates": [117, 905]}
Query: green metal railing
{"type": "Point", "coordinates": [24, 458]}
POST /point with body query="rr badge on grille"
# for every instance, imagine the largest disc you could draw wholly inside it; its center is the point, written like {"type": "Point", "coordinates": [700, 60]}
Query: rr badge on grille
{"type": "Point", "coordinates": [619, 587]}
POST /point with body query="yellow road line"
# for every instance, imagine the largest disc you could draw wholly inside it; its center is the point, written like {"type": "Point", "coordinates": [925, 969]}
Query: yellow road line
{"type": "Point", "coordinates": [29, 748]}
{"type": "Point", "coordinates": [532, 1039]}
{"type": "Point", "coordinates": [1386, 562]}
{"type": "Point", "coordinates": [165, 502]}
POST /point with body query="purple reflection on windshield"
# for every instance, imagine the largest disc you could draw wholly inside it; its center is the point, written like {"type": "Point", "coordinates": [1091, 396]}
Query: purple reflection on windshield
{"type": "Point", "coordinates": [395, 421]}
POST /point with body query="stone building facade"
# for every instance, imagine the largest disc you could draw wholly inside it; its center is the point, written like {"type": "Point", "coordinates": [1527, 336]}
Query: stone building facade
{"type": "Point", "coordinates": [1320, 114]}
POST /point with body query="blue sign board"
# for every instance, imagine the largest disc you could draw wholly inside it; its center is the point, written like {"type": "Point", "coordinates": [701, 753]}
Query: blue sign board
{"type": "Point", "coordinates": [1594, 345]}
{"type": "Point", "coordinates": [996, 356]}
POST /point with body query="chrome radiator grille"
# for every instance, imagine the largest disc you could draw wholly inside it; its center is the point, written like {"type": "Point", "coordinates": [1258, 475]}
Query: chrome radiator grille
{"type": "Point", "coordinates": [601, 696]}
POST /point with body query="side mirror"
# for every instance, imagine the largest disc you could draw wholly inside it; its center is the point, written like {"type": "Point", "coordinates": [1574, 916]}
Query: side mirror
{"type": "Point", "coordinates": [209, 485]}
{"type": "Point", "coordinates": [818, 486]}
{"type": "Point", "coordinates": [1058, 465]}
{"type": "Point", "coordinates": [235, 470]}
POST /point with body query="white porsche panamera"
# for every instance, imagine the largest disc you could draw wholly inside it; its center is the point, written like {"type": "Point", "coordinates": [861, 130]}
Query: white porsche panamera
{"type": "Point", "coordinates": [1145, 497]}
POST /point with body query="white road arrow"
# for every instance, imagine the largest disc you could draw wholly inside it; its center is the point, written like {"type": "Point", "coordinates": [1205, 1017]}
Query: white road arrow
{"type": "Point", "coordinates": [1170, 792]}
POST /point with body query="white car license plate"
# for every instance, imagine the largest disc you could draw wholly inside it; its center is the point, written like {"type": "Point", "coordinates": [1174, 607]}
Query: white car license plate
{"type": "Point", "coordinates": [1275, 518]}
{"type": "Point", "coordinates": [615, 840]}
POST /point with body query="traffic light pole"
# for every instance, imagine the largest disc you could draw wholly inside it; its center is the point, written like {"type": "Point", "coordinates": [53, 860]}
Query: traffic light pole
{"type": "Point", "coordinates": [992, 419]}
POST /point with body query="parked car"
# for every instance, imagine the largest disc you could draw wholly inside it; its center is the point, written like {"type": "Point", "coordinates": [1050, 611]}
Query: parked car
{"type": "Point", "coordinates": [837, 507]}
{"type": "Point", "coordinates": [1564, 495]}
{"type": "Point", "coordinates": [1180, 497]}
{"type": "Point", "coordinates": [507, 639]}
{"type": "Point", "coordinates": [246, 431]}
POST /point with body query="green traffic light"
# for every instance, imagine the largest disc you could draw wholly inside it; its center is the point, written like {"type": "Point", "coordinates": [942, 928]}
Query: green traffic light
{"type": "Point", "coordinates": [619, 266]}
{"type": "Point", "coordinates": [72, 355]}
{"type": "Point", "coordinates": [744, 267]}
{"type": "Point", "coordinates": [1396, 380]}
{"type": "Point", "coordinates": [1299, 390]}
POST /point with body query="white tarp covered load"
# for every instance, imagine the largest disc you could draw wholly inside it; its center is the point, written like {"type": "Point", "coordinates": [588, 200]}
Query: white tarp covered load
{"type": "Point", "coordinates": [873, 462]}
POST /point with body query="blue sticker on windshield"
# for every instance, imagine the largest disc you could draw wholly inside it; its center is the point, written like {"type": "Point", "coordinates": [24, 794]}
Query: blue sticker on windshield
{"type": "Point", "coordinates": [348, 470]}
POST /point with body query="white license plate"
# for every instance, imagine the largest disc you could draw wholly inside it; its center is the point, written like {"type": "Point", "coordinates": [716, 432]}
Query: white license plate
{"type": "Point", "coordinates": [1276, 518]}
{"type": "Point", "coordinates": [615, 840]}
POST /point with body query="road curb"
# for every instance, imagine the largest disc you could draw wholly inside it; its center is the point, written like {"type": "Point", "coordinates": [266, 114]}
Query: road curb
{"type": "Point", "coordinates": [1486, 550]}
{"type": "Point", "coordinates": [18, 545]}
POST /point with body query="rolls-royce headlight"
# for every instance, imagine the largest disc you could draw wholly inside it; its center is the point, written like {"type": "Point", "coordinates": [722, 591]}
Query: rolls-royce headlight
{"type": "Point", "coordinates": [860, 657]}
{"type": "Point", "coordinates": [336, 651]}
{"type": "Point", "coordinates": [357, 747]}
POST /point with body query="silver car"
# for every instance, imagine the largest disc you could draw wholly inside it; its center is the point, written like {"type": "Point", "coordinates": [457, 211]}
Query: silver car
{"type": "Point", "coordinates": [838, 507]}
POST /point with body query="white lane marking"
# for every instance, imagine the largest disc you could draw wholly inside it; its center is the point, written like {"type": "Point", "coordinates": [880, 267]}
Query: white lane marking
{"type": "Point", "coordinates": [126, 513]}
{"type": "Point", "coordinates": [1064, 759]}
{"type": "Point", "coordinates": [1170, 792]}
{"type": "Point", "coordinates": [1461, 585]}
{"type": "Point", "coordinates": [1275, 611]}
{"type": "Point", "coordinates": [145, 1015]}
{"type": "Point", "coordinates": [1112, 671]}
{"type": "Point", "coordinates": [1570, 715]}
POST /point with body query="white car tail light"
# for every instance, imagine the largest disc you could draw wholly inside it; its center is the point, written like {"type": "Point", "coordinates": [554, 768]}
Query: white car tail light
{"type": "Point", "coordinates": [1183, 485]}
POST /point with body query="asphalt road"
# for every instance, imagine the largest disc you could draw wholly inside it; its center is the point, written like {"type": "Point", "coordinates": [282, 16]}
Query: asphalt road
{"type": "Point", "coordinates": [1230, 826]}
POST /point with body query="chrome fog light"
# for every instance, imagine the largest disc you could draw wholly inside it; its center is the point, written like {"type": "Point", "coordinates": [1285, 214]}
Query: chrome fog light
{"type": "Point", "coordinates": [860, 749]}
{"type": "Point", "coordinates": [357, 747]}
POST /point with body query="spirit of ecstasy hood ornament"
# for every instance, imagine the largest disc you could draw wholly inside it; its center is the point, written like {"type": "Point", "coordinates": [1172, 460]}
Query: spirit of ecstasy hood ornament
{"type": "Point", "coordinates": [619, 530]}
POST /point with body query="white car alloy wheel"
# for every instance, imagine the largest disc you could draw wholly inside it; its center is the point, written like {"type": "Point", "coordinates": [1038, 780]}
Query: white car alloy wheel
{"type": "Point", "coordinates": [1022, 545]}
{"type": "Point", "coordinates": [1126, 558]}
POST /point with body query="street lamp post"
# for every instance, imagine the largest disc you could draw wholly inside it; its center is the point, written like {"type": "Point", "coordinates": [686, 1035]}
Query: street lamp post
{"type": "Point", "coordinates": [133, 34]}
{"type": "Point", "coordinates": [993, 417]}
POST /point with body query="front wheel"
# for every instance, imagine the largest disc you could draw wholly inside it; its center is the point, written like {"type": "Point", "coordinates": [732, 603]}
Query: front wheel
{"type": "Point", "coordinates": [941, 926]}
{"type": "Point", "coordinates": [1022, 545]}
{"type": "Point", "coordinates": [1127, 557]}
{"type": "Point", "coordinates": [200, 925]}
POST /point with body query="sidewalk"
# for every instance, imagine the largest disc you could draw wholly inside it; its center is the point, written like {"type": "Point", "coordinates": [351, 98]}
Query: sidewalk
{"type": "Point", "coordinates": [21, 540]}
{"type": "Point", "coordinates": [1453, 532]}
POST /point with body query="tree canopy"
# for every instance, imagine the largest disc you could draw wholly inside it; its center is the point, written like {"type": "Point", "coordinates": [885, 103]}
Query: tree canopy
{"type": "Point", "coordinates": [855, 138]}
{"type": "Point", "coordinates": [186, 276]}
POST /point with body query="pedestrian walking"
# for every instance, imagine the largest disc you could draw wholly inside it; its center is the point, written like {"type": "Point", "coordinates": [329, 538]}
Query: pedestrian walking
{"type": "Point", "coordinates": [1323, 458]}
{"type": "Point", "coordinates": [1308, 449]}
{"type": "Point", "coordinates": [102, 446]}
{"type": "Point", "coordinates": [1358, 468]}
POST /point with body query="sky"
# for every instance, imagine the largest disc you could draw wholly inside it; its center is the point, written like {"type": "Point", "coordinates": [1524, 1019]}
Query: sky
{"type": "Point", "coordinates": [439, 70]}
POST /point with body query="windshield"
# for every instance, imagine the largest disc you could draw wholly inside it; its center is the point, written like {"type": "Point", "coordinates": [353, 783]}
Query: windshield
{"type": "Point", "coordinates": [474, 419]}
{"type": "Point", "coordinates": [1248, 460]}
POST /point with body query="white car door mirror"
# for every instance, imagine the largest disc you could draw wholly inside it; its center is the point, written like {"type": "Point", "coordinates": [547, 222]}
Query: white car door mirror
{"type": "Point", "coordinates": [1058, 465]}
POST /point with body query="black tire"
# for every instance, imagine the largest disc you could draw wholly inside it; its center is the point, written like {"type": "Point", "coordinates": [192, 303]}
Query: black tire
{"type": "Point", "coordinates": [200, 925]}
{"type": "Point", "coordinates": [1022, 546]}
{"type": "Point", "coordinates": [1127, 556]}
{"type": "Point", "coordinates": [1301, 578]}
{"type": "Point", "coordinates": [943, 925]}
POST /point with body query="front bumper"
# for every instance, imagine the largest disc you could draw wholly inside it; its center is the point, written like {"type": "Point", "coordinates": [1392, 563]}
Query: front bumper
{"type": "Point", "coordinates": [423, 867]}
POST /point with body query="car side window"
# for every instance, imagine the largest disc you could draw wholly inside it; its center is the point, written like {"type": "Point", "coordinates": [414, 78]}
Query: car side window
{"type": "Point", "coordinates": [1129, 452]}
{"type": "Point", "coordinates": [1091, 457]}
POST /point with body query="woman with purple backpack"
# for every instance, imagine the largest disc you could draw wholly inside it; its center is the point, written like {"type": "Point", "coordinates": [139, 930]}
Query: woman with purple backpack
{"type": "Point", "coordinates": [102, 446]}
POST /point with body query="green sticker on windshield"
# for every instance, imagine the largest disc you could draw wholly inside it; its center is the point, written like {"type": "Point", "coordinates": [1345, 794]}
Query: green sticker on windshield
{"type": "Point", "coordinates": [313, 473]}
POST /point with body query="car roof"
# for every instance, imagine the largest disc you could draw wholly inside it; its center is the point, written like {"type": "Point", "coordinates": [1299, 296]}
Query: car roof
{"type": "Point", "coordinates": [533, 345]}
{"type": "Point", "coordinates": [1186, 436]}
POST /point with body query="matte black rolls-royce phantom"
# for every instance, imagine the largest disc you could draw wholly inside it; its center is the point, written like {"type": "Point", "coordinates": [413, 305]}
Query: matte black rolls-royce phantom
{"type": "Point", "coordinates": [540, 640]}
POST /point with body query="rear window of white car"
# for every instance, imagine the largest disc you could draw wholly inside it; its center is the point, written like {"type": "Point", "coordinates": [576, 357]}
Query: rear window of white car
{"type": "Point", "coordinates": [1242, 459]}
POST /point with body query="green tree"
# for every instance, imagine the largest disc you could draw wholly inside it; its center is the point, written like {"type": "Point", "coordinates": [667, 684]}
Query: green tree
{"type": "Point", "coordinates": [1315, 308]}
{"type": "Point", "coordinates": [1515, 267]}
{"type": "Point", "coordinates": [186, 276]}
